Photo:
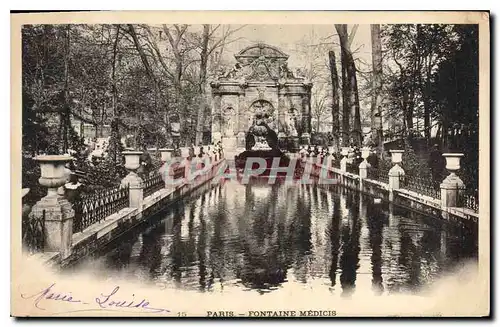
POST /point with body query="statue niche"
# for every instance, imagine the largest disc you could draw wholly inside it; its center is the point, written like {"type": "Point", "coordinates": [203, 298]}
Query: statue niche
{"type": "Point", "coordinates": [266, 111]}
{"type": "Point", "coordinates": [293, 125]}
{"type": "Point", "coordinates": [229, 122]}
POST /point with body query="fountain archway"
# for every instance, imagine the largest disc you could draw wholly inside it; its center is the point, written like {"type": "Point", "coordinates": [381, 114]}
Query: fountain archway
{"type": "Point", "coordinates": [262, 109]}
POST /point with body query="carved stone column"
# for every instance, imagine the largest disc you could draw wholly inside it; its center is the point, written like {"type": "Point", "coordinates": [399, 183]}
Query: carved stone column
{"type": "Point", "coordinates": [242, 119]}
{"type": "Point", "coordinates": [306, 120]}
{"type": "Point", "coordinates": [281, 112]}
{"type": "Point", "coordinates": [216, 114]}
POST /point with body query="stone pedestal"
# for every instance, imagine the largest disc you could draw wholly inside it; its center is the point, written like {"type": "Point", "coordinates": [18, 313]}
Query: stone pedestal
{"type": "Point", "coordinates": [395, 174]}
{"type": "Point", "coordinates": [452, 187]}
{"type": "Point", "coordinates": [363, 169]}
{"type": "Point", "coordinates": [305, 138]}
{"type": "Point", "coordinates": [452, 190]}
{"type": "Point", "coordinates": [58, 224]}
{"type": "Point", "coordinates": [330, 160]}
{"type": "Point", "coordinates": [241, 140]}
{"type": "Point", "coordinates": [135, 185]}
{"type": "Point", "coordinates": [343, 161]}
{"type": "Point", "coordinates": [364, 165]}
{"type": "Point", "coordinates": [166, 154]}
{"type": "Point", "coordinates": [229, 143]}
{"type": "Point", "coordinates": [132, 180]}
{"type": "Point", "coordinates": [294, 142]}
{"type": "Point", "coordinates": [59, 213]}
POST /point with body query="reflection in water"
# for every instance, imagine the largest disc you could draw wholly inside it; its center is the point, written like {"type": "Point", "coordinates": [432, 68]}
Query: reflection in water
{"type": "Point", "coordinates": [375, 222]}
{"type": "Point", "coordinates": [264, 237]}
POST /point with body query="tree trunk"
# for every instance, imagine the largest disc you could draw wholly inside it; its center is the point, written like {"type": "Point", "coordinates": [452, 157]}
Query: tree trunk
{"type": "Point", "coordinates": [175, 42]}
{"type": "Point", "coordinates": [202, 85]}
{"type": "Point", "coordinates": [427, 106]}
{"type": "Point", "coordinates": [350, 87]}
{"type": "Point", "coordinates": [115, 133]}
{"type": "Point", "coordinates": [65, 119]}
{"type": "Point", "coordinates": [335, 100]}
{"type": "Point", "coordinates": [149, 70]}
{"type": "Point", "coordinates": [342, 30]}
{"type": "Point", "coordinates": [376, 105]}
{"type": "Point", "coordinates": [355, 107]}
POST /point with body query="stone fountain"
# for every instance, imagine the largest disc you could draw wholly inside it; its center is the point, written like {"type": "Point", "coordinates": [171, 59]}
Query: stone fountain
{"type": "Point", "coordinates": [262, 142]}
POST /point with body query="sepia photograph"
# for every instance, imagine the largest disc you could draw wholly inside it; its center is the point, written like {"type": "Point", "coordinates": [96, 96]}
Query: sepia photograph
{"type": "Point", "coordinates": [254, 165]}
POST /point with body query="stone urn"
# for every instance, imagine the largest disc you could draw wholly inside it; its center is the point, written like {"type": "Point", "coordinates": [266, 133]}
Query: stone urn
{"type": "Point", "coordinates": [166, 154]}
{"type": "Point", "coordinates": [452, 165]}
{"type": "Point", "coordinates": [365, 153]}
{"type": "Point", "coordinates": [345, 151]}
{"type": "Point", "coordinates": [53, 171]}
{"type": "Point", "coordinates": [132, 160]}
{"type": "Point", "coordinates": [453, 161]}
{"type": "Point", "coordinates": [396, 156]}
{"type": "Point", "coordinates": [184, 152]}
{"type": "Point", "coordinates": [132, 163]}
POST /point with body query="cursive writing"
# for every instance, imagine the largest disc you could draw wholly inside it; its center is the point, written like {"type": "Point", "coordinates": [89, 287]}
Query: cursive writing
{"type": "Point", "coordinates": [105, 301]}
{"type": "Point", "coordinates": [111, 301]}
{"type": "Point", "coordinates": [48, 294]}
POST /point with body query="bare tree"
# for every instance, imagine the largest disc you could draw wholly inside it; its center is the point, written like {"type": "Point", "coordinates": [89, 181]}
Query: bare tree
{"type": "Point", "coordinates": [376, 103]}
{"type": "Point", "coordinates": [335, 99]}
{"type": "Point", "coordinates": [204, 54]}
{"type": "Point", "coordinates": [350, 96]}
{"type": "Point", "coordinates": [207, 44]}
{"type": "Point", "coordinates": [147, 67]}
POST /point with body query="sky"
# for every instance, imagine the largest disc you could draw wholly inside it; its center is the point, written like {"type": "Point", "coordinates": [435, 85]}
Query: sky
{"type": "Point", "coordinates": [286, 37]}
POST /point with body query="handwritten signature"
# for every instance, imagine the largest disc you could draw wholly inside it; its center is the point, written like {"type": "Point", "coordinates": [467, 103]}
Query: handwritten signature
{"type": "Point", "coordinates": [104, 301]}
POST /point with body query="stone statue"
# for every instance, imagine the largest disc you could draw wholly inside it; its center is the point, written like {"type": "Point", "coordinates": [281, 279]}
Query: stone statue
{"type": "Point", "coordinates": [291, 124]}
{"type": "Point", "coordinates": [261, 130]}
{"type": "Point", "coordinates": [229, 122]}
{"type": "Point", "coordinates": [249, 141]}
{"type": "Point", "coordinates": [299, 73]}
{"type": "Point", "coordinates": [221, 72]}
{"type": "Point", "coordinates": [285, 72]}
{"type": "Point", "coordinates": [234, 71]}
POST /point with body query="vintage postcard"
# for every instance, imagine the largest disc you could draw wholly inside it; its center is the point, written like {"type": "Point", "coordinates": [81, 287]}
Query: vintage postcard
{"type": "Point", "coordinates": [250, 164]}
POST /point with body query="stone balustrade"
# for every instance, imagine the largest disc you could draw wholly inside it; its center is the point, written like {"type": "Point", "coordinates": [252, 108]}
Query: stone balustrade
{"type": "Point", "coordinates": [58, 214]}
{"type": "Point", "coordinates": [395, 184]}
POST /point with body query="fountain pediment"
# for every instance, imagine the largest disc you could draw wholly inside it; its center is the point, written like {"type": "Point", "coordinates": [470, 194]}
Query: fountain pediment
{"type": "Point", "coordinates": [260, 63]}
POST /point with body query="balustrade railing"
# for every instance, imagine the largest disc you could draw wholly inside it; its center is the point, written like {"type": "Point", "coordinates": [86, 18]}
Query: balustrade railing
{"type": "Point", "coordinates": [95, 207]}
{"type": "Point", "coordinates": [152, 184]}
{"type": "Point", "coordinates": [378, 174]}
{"type": "Point", "coordinates": [352, 168]}
{"type": "Point", "coordinates": [336, 163]}
{"type": "Point", "coordinates": [178, 171]}
{"type": "Point", "coordinates": [471, 201]}
{"type": "Point", "coordinates": [33, 233]}
{"type": "Point", "coordinates": [420, 185]}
